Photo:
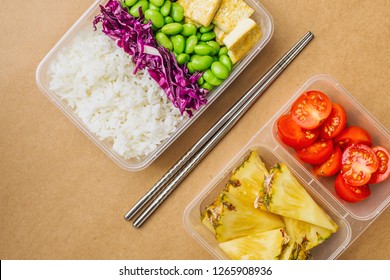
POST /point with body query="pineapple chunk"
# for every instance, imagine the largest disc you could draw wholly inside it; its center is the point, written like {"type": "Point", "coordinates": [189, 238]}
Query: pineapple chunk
{"type": "Point", "coordinates": [306, 234]}
{"type": "Point", "coordinates": [249, 176]}
{"type": "Point", "coordinates": [295, 251]}
{"type": "Point", "coordinates": [282, 194]}
{"type": "Point", "coordinates": [238, 219]}
{"type": "Point", "coordinates": [261, 246]}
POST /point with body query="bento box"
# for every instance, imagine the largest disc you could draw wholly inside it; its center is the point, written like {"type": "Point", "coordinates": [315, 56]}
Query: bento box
{"type": "Point", "coordinates": [352, 218]}
{"type": "Point", "coordinates": [133, 124]}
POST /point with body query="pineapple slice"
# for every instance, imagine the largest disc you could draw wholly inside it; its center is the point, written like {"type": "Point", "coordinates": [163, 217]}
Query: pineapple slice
{"type": "Point", "coordinates": [308, 235]}
{"type": "Point", "coordinates": [248, 178]}
{"type": "Point", "coordinates": [282, 194]}
{"type": "Point", "coordinates": [237, 219]}
{"type": "Point", "coordinates": [212, 213]}
{"type": "Point", "coordinates": [295, 251]}
{"type": "Point", "coordinates": [261, 246]}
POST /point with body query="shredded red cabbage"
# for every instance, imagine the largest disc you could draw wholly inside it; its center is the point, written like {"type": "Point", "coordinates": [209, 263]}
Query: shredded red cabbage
{"type": "Point", "coordinates": [136, 38]}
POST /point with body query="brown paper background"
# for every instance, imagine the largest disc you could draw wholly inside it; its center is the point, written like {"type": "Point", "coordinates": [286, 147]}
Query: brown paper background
{"type": "Point", "coordinates": [61, 197]}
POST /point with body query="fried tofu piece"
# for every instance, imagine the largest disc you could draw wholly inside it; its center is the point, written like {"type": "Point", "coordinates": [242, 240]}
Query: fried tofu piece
{"type": "Point", "coordinates": [230, 13]}
{"type": "Point", "coordinates": [200, 11]}
{"type": "Point", "coordinates": [219, 35]}
{"type": "Point", "coordinates": [242, 38]}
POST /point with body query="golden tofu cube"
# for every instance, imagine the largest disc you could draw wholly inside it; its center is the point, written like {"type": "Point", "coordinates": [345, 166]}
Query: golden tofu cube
{"type": "Point", "coordinates": [242, 38]}
{"type": "Point", "coordinates": [230, 13]}
{"type": "Point", "coordinates": [219, 35]}
{"type": "Point", "coordinates": [200, 11]}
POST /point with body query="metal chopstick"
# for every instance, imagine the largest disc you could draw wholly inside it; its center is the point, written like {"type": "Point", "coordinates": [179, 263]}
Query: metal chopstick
{"type": "Point", "coordinates": [186, 164]}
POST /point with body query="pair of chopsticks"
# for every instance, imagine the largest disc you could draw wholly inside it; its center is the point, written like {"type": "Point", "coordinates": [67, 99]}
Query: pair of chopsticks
{"type": "Point", "coordinates": [179, 171]}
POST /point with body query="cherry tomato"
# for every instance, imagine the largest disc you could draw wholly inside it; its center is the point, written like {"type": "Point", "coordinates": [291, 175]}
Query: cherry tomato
{"type": "Point", "coordinates": [358, 163]}
{"type": "Point", "coordinates": [311, 109]}
{"type": "Point", "coordinates": [353, 135]}
{"type": "Point", "coordinates": [316, 153]}
{"type": "Point", "coordinates": [349, 192]}
{"type": "Point", "coordinates": [331, 166]}
{"type": "Point", "coordinates": [335, 123]}
{"type": "Point", "coordinates": [293, 135]}
{"type": "Point", "coordinates": [383, 171]}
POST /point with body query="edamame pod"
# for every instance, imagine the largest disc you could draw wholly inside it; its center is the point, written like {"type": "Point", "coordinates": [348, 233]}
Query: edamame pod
{"type": "Point", "coordinates": [225, 60]}
{"type": "Point", "coordinates": [219, 70]}
{"type": "Point", "coordinates": [191, 42]}
{"type": "Point", "coordinates": [166, 8]}
{"type": "Point", "coordinates": [207, 86]}
{"type": "Point", "coordinates": [205, 29]}
{"type": "Point", "coordinates": [204, 49]}
{"type": "Point", "coordinates": [164, 41]}
{"type": "Point", "coordinates": [179, 43]}
{"type": "Point", "coordinates": [182, 58]}
{"type": "Point", "coordinates": [214, 45]}
{"type": "Point", "coordinates": [207, 36]}
{"type": "Point", "coordinates": [156, 18]}
{"type": "Point", "coordinates": [130, 3]}
{"type": "Point", "coordinates": [172, 28]}
{"type": "Point", "coordinates": [189, 29]}
{"type": "Point", "coordinates": [134, 11]}
{"type": "Point", "coordinates": [209, 77]}
{"type": "Point", "coordinates": [222, 51]}
{"type": "Point", "coordinates": [157, 3]}
{"type": "Point", "coordinates": [177, 12]}
{"type": "Point", "coordinates": [201, 63]}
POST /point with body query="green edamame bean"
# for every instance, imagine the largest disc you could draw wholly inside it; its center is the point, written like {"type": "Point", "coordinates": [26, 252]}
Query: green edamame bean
{"type": "Point", "coordinates": [207, 36]}
{"type": "Point", "coordinates": [205, 29]}
{"type": "Point", "coordinates": [225, 60]}
{"type": "Point", "coordinates": [209, 77]}
{"type": "Point", "coordinates": [177, 12]}
{"type": "Point", "coordinates": [200, 81]}
{"type": "Point", "coordinates": [153, 7]}
{"type": "Point", "coordinates": [190, 68]}
{"type": "Point", "coordinates": [189, 29]}
{"type": "Point", "coordinates": [168, 20]}
{"type": "Point", "coordinates": [219, 70]}
{"type": "Point", "coordinates": [204, 49]}
{"type": "Point", "coordinates": [222, 51]}
{"type": "Point", "coordinates": [157, 3]}
{"type": "Point", "coordinates": [207, 86]}
{"type": "Point", "coordinates": [179, 43]}
{"type": "Point", "coordinates": [134, 10]}
{"type": "Point", "coordinates": [214, 45]}
{"type": "Point", "coordinates": [164, 41]}
{"type": "Point", "coordinates": [156, 18]}
{"type": "Point", "coordinates": [172, 28]}
{"type": "Point", "coordinates": [182, 58]}
{"type": "Point", "coordinates": [191, 42]}
{"type": "Point", "coordinates": [166, 8]}
{"type": "Point", "coordinates": [198, 35]}
{"type": "Point", "coordinates": [130, 3]}
{"type": "Point", "coordinates": [201, 63]}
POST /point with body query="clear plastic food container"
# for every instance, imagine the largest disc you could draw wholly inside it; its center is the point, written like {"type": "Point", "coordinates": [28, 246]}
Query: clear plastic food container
{"type": "Point", "coordinates": [352, 218]}
{"type": "Point", "coordinates": [261, 16]}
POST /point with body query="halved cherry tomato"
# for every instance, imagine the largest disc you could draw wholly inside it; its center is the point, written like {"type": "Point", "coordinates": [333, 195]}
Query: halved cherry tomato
{"type": "Point", "coordinates": [383, 171]}
{"type": "Point", "coordinates": [349, 192]}
{"type": "Point", "coordinates": [293, 135]}
{"type": "Point", "coordinates": [353, 135]}
{"type": "Point", "coordinates": [331, 166]}
{"type": "Point", "coordinates": [358, 163]}
{"type": "Point", "coordinates": [311, 109]}
{"type": "Point", "coordinates": [335, 123]}
{"type": "Point", "coordinates": [316, 153]}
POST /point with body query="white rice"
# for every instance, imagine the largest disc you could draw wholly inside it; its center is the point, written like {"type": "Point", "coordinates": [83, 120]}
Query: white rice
{"type": "Point", "coordinates": [95, 78]}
